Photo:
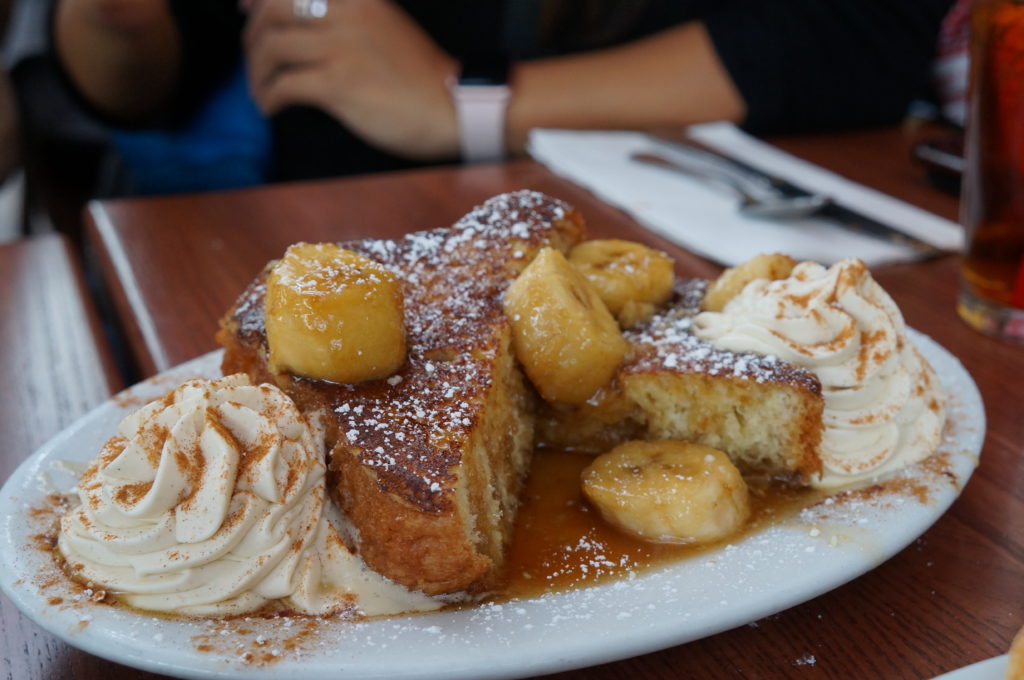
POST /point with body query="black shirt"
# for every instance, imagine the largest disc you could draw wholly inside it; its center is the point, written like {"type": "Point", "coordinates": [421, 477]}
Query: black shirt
{"type": "Point", "coordinates": [799, 65]}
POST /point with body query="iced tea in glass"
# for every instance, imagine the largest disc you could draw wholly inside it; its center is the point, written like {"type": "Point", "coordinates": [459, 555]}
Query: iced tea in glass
{"type": "Point", "coordinates": [992, 205]}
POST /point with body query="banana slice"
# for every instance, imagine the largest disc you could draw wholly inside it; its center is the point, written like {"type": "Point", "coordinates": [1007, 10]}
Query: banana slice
{"type": "Point", "coordinates": [564, 336]}
{"type": "Point", "coordinates": [333, 314]}
{"type": "Point", "coordinates": [633, 313]}
{"type": "Point", "coordinates": [668, 491]}
{"type": "Point", "coordinates": [630, 277]}
{"type": "Point", "coordinates": [732, 281]}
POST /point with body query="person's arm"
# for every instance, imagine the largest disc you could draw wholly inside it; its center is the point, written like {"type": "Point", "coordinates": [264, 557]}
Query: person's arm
{"type": "Point", "coordinates": [671, 78]}
{"type": "Point", "coordinates": [782, 65]}
{"type": "Point", "coordinates": [371, 67]}
{"type": "Point", "coordinates": [123, 56]}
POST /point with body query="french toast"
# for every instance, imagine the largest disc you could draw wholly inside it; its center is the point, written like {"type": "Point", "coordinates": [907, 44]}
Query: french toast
{"type": "Point", "coordinates": [765, 413]}
{"type": "Point", "coordinates": [427, 464]}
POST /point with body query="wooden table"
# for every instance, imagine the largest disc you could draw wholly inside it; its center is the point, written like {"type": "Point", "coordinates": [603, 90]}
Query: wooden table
{"type": "Point", "coordinates": [56, 360]}
{"type": "Point", "coordinates": [954, 597]}
{"type": "Point", "coordinates": [56, 366]}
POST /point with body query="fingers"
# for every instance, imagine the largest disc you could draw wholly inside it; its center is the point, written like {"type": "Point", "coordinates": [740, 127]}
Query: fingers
{"type": "Point", "coordinates": [296, 86]}
{"type": "Point", "coordinates": [278, 43]}
{"type": "Point", "coordinates": [279, 51]}
{"type": "Point", "coordinates": [367, 63]}
{"type": "Point", "coordinates": [267, 16]}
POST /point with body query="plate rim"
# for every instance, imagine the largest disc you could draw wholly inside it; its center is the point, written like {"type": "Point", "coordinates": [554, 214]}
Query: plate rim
{"type": "Point", "coordinates": [576, 655]}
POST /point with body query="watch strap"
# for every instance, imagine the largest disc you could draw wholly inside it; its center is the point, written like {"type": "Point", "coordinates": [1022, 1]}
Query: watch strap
{"type": "Point", "coordinates": [480, 112]}
{"type": "Point", "coordinates": [481, 97]}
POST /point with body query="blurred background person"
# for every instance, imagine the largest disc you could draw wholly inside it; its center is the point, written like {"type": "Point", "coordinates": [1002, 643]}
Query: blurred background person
{"type": "Point", "coordinates": [198, 95]}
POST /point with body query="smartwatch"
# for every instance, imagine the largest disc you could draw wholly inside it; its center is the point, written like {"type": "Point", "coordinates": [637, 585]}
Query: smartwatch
{"type": "Point", "coordinates": [481, 96]}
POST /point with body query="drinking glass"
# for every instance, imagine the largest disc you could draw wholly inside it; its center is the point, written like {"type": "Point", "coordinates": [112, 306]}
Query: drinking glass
{"type": "Point", "coordinates": [992, 201]}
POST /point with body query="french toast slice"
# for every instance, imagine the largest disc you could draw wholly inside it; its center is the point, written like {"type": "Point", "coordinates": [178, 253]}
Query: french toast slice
{"type": "Point", "coordinates": [765, 413]}
{"type": "Point", "coordinates": [427, 464]}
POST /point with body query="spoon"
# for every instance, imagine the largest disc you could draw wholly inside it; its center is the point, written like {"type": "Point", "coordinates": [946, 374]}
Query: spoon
{"type": "Point", "coordinates": [757, 199]}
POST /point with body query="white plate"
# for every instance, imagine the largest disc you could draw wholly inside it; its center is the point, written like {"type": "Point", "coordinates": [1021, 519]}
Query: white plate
{"type": "Point", "coordinates": [784, 565]}
{"type": "Point", "coordinates": [989, 669]}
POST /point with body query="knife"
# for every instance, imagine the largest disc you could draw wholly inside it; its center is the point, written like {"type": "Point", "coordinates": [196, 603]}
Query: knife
{"type": "Point", "coordinates": [842, 216]}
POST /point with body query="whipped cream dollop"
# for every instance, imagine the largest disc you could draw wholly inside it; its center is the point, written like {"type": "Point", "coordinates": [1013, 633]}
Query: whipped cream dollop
{"type": "Point", "coordinates": [883, 406]}
{"type": "Point", "coordinates": [212, 501]}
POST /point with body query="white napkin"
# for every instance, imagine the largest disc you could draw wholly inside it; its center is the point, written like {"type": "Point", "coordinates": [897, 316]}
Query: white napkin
{"type": "Point", "coordinates": [703, 217]}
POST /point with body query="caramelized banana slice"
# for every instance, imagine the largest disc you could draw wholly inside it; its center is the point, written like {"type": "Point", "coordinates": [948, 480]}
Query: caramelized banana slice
{"type": "Point", "coordinates": [334, 315]}
{"type": "Point", "coordinates": [633, 313]}
{"type": "Point", "coordinates": [564, 336]}
{"type": "Point", "coordinates": [668, 491]}
{"type": "Point", "coordinates": [732, 281]}
{"type": "Point", "coordinates": [630, 277]}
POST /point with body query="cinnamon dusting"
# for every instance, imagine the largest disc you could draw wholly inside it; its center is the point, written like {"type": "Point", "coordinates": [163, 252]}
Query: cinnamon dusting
{"type": "Point", "coordinates": [154, 438]}
{"type": "Point", "coordinates": [130, 494]}
{"type": "Point", "coordinates": [192, 464]}
{"type": "Point", "coordinates": [868, 343]}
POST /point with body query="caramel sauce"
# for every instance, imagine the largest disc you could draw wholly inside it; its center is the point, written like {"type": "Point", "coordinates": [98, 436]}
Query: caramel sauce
{"type": "Point", "coordinates": [561, 542]}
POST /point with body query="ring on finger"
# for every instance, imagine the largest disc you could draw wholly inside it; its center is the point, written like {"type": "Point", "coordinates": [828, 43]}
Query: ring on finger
{"type": "Point", "coordinates": [309, 9]}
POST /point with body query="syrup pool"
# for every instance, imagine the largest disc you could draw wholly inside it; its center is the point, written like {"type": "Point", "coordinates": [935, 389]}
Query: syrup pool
{"type": "Point", "coordinates": [561, 541]}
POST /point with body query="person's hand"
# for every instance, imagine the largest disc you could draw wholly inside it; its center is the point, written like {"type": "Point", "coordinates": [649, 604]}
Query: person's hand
{"type": "Point", "coordinates": [365, 62]}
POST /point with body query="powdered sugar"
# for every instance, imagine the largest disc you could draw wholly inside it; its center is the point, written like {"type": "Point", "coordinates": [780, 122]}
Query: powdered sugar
{"type": "Point", "coordinates": [765, 572]}
{"type": "Point", "coordinates": [667, 342]}
{"type": "Point", "coordinates": [407, 427]}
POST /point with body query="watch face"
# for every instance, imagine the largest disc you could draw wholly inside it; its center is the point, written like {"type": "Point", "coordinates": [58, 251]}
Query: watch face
{"type": "Point", "coordinates": [484, 69]}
